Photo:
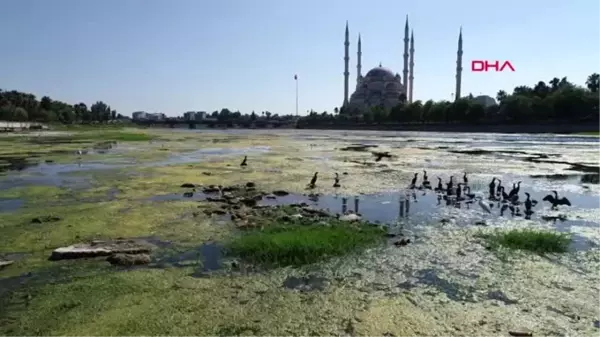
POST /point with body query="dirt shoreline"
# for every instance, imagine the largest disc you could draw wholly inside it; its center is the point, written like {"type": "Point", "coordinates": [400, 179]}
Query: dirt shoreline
{"type": "Point", "coordinates": [487, 128]}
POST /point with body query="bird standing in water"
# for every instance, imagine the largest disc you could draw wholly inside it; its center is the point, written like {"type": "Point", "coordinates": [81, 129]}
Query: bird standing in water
{"type": "Point", "coordinates": [336, 180]}
{"type": "Point", "coordinates": [556, 201]}
{"type": "Point", "coordinates": [492, 187]}
{"type": "Point", "coordinates": [465, 179]}
{"type": "Point", "coordinates": [313, 181]}
{"type": "Point", "coordinates": [450, 184]}
{"type": "Point", "coordinates": [426, 183]}
{"type": "Point", "coordinates": [244, 161]}
{"type": "Point", "coordinates": [414, 181]}
{"type": "Point", "coordinates": [440, 187]}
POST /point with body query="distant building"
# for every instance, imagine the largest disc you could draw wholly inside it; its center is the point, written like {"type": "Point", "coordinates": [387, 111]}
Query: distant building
{"type": "Point", "coordinates": [194, 115]}
{"type": "Point", "coordinates": [485, 100]}
{"type": "Point", "coordinates": [139, 115]}
{"type": "Point", "coordinates": [142, 115]}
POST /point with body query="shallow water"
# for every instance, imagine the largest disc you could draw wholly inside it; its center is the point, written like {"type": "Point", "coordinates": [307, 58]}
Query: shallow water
{"type": "Point", "coordinates": [54, 174]}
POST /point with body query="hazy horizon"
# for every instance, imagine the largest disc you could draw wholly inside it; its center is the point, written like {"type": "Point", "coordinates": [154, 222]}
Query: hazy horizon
{"type": "Point", "coordinates": [177, 56]}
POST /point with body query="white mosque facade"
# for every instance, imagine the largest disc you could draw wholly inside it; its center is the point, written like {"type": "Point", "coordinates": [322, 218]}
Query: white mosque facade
{"type": "Point", "coordinates": [380, 87]}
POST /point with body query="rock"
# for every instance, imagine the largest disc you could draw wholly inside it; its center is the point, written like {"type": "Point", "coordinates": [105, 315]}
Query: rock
{"type": "Point", "coordinates": [248, 202]}
{"type": "Point", "coordinates": [521, 333]}
{"type": "Point", "coordinates": [218, 212]}
{"type": "Point", "coordinates": [315, 211]}
{"type": "Point", "coordinates": [215, 199]}
{"type": "Point", "coordinates": [230, 188]}
{"type": "Point", "coordinates": [402, 242]}
{"type": "Point", "coordinates": [250, 184]}
{"type": "Point", "coordinates": [210, 189]}
{"type": "Point", "coordinates": [480, 223]}
{"type": "Point", "coordinates": [128, 259]}
{"type": "Point", "coordinates": [45, 218]}
{"type": "Point", "coordinates": [5, 263]}
{"type": "Point", "coordinates": [297, 216]}
{"type": "Point", "coordinates": [350, 217]}
{"type": "Point", "coordinates": [270, 196]}
{"type": "Point", "coordinates": [207, 173]}
{"type": "Point", "coordinates": [88, 250]}
{"type": "Point", "coordinates": [188, 185]}
{"type": "Point", "coordinates": [188, 194]}
{"type": "Point", "coordinates": [280, 193]}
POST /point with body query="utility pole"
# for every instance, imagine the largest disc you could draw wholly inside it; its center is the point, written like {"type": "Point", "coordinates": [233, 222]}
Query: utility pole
{"type": "Point", "coordinates": [296, 79]}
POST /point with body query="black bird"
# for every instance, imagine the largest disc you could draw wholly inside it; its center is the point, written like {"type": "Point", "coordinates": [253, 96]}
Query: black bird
{"type": "Point", "coordinates": [439, 187]}
{"type": "Point", "coordinates": [414, 181]}
{"type": "Point", "coordinates": [468, 193]}
{"type": "Point", "coordinates": [492, 187]}
{"type": "Point", "coordinates": [515, 189]}
{"type": "Point", "coordinates": [337, 180]}
{"type": "Point", "coordinates": [528, 204]}
{"type": "Point", "coordinates": [504, 195]}
{"type": "Point", "coordinates": [499, 188]}
{"type": "Point", "coordinates": [426, 182]}
{"type": "Point", "coordinates": [449, 190]}
{"type": "Point", "coordinates": [465, 179]}
{"type": "Point", "coordinates": [244, 161]}
{"type": "Point", "coordinates": [555, 201]}
{"type": "Point", "coordinates": [313, 181]}
{"type": "Point", "coordinates": [451, 183]}
{"type": "Point", "coordinates": [459, 192]}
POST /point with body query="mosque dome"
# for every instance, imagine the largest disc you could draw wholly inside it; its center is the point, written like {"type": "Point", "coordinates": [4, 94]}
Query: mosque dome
{"type": "Point", "coordinates": [380, 72]}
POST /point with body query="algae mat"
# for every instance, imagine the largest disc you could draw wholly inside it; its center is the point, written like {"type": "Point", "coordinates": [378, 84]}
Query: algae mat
{"type": "Point", "coordinates": [445, 282]}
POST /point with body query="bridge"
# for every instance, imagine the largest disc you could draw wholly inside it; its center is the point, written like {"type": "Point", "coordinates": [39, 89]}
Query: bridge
{"type": "Point", "coordinates": [6, 126]}
{"type": "Point", "coordinates": [259, 123]}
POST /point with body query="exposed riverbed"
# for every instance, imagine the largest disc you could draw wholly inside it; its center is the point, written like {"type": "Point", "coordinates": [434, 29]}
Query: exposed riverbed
{"type": "Point", "coordinates": [444, 282]}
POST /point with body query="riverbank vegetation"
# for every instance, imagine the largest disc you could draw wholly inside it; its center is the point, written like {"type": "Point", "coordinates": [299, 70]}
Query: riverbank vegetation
{"type": "Point", "coordinates": [303, 244]}
{"type": "Point", "coordinates": [536, 241]}
{"type": "Point", "coordinates": [558, 101]}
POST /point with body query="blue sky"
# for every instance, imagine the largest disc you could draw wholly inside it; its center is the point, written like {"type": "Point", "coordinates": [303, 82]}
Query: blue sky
{"type": "Point", "coordinates": [179, 55]}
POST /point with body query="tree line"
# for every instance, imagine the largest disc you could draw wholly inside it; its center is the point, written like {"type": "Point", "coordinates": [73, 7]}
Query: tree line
{"type": "Point", "coordinates": [557, 101]}
{"type": "Point", "coordinates": [22, 107]}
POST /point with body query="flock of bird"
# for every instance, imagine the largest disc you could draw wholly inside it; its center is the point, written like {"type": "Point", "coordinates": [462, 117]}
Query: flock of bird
{"type": "Point", "coordinates": [496, 192]}
{"type": "Point", "coordinates": [458, 192]}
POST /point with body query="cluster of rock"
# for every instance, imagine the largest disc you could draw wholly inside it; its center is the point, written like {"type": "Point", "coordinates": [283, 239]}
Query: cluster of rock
{"type": "Point", "coordinates": [127, 252]}
{"type": "Point", "coordinates": [243, 204]}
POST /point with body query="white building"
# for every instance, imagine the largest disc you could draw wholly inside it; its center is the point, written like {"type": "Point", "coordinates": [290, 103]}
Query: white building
{"type": "Point", "coordinates": [142, 115]}
{"type": "Point", "coordinates": [139, 115]}
{"type": "Point", "coordinates": [194, 115]}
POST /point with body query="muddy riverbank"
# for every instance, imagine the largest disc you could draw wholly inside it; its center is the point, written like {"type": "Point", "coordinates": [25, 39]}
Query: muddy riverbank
{"type": "Point", "coordinates": [163, 232]}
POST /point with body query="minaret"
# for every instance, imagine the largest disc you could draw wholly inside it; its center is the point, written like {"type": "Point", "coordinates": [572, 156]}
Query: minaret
{"type": "Point", "coordinates": [346, 63]}
{"type": "Point", "coordinates": [405, 71]}
{"type": "Point", "coordinates": [358, 64]}
{"type": "Point", "coordinates": [412, 67]}
{"type": "Point", "coordinates": [459, 54]}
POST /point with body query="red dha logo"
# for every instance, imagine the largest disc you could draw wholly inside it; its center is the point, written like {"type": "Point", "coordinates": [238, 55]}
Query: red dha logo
{"type": "Point", "coordinates": [484, 65]}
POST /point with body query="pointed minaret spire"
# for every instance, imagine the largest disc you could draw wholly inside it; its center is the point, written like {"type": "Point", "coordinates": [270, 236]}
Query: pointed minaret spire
{"type": "Point", "coordinates": [358, 64]}
{"type": "Point", "coordinates": [346, 64]}
{"type": "Point", "coordinates": [405, 70]}
{"type": "Point", "coordinates": [459, 68]}
{"type": "Point", "coordinates": [412, 67]}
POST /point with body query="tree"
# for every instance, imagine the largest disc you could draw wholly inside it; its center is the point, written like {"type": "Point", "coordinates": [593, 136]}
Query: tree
{"type": "Point", "coordinates": [593, 82]}
{"type": "Point", "coordinates": [501, 96]}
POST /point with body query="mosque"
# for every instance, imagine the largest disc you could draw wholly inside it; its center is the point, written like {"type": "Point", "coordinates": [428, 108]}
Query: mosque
{"type": "Point", "coordinates": [380, 86]}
